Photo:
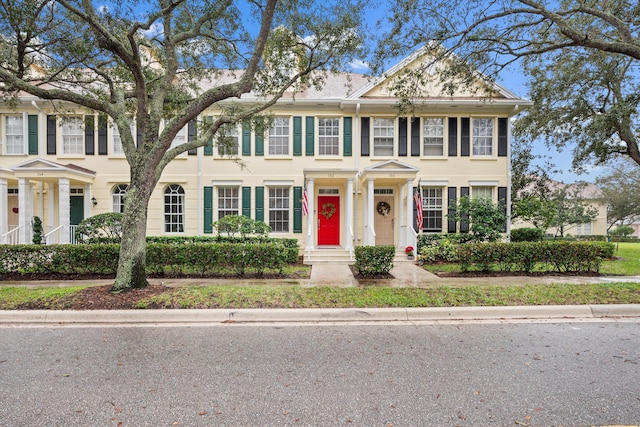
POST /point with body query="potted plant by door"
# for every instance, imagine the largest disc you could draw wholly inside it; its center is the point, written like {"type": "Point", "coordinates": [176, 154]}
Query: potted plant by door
{"type": "Point", "coordinates": [409, 251]}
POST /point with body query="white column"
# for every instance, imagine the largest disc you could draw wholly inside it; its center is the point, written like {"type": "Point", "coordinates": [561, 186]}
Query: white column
{"type": "Point", "coordinates": [409, 233]}
{"type": "Point", "coordinates": [25, 210]}
{"type": "Point", "coordinates": [64, 209]}
{"type": "Point", "coordinates": [51, 207]}
{"type": "Point", "coordinates": [4, 208]}
{"type": "Point", "coordinates": [402, 224]}
{"type": "Point", "coordinates": [311, 217]}
{"type": "Point", "coordinates": [371, 241]}
{"type": "Point", "coordinates": [349, 215]}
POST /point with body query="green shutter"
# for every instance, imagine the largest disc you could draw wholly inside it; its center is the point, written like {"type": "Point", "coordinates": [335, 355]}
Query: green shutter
{"type": "Point", "coordinates": [208, 209]}
{"type": "Point", "coordinates": [33, 134]}
{"type": "Point", "coordinates": [297, 136]}
{"type": "Point", "coordinates": [208, 149]}
{"type": "Point", "coordinates": [259, 204]}
{"type": "Point", "coordinates": [347, 135]}
{"type": "Point", "coordinates": [246, 138]}
{"type": "Point", "coordinates": [297, 209]}
{"type": "Point", "coordinates": [310, 136]}
{"type": "Point", "coordinates": [246, 201]}
{"type": "Point", "coordinates": [259, 141]}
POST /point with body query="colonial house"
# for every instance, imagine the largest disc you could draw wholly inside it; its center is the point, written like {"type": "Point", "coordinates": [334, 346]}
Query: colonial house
{"type": "Point", "coordinates": [338, 168]}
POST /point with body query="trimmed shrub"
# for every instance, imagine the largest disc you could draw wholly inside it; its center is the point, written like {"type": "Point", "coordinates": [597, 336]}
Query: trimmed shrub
{"type": "Point", "coordinates": [372, 260]}
{"type": "Point", "coordinates": [101, 228]}
{"type": "Point", "coordinates": [527, 235]}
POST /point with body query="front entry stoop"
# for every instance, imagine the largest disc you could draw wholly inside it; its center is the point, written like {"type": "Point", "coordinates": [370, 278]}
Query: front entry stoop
{"type": "Point", "coordinates": [328, 256]}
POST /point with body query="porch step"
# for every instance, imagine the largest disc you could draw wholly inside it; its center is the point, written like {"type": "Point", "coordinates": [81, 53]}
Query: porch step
{"type": "Point", "coordinates": [328, 256]}
{"type": "Point", "coordinates": [341, 256]}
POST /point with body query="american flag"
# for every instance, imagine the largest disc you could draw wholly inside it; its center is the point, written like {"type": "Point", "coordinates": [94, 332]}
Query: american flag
{"type": "Point", "coordinates": [305, 202]}
{"type": "Point", "coordinates": [418, 199]}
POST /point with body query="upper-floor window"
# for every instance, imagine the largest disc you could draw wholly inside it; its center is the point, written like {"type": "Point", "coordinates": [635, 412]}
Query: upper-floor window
{"type": "Point", "coordinates": [180, 138]}
{"type": "Point", "coordinates": [117, 197]}
{"type": "Point", "coordinates": [174, 209]}
{"type": "Point", "coordinates": [383, 137]}
{"type": "Point", "coordinates": [433, 136]}
{"type": "Point", "coordinates": [279, 137]}
{"type": "Point", "coordinates": [328, 137]}
{"type": "Point", "coordinates": [482, 136]}
{"type": "Point", "coordinates": [482, 192]}
{"type": "Point", "coordinates": [228, 140]}
{"type": "Point", "coordinates": [228, 201]}
{"type": "Point", "coordinates": [117, 140]}
{"type": "Point", "coordinates": [432, 208]}
{"type": "Point", "coordinates": [72, 132]}
{"type": "Point", "coordinates": [279, 209]}
{"type": "Point", "coordinates": [14, 135]}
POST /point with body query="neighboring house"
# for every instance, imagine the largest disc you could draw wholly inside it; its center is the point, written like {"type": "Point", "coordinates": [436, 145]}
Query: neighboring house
{"type": "Point", "coordinates": [338, 168]}
{"type": "Point", "coordinates": [588, 192]}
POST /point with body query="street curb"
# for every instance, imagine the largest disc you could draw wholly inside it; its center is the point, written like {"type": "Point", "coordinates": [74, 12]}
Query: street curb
{"type": "Point", "coordinates": [314, 315]}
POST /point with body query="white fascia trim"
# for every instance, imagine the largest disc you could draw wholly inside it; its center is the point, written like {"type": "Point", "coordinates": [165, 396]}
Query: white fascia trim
{"type": "Point", "coordinates": [219, 183]}
{"type": "Point", "coordinates": [434, 183]}
{"type": "Point", "coordinates": [278, 183]}
{"type": "Point", "coordinates": [492, 183]}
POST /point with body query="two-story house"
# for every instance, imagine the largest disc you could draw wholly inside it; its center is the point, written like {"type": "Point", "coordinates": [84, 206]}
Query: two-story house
{"type": "Point", "coordinates": [339, 167]}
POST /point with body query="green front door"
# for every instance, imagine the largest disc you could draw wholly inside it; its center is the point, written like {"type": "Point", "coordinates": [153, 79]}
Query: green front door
{"type": "Point", "coordinates": [77, 210]}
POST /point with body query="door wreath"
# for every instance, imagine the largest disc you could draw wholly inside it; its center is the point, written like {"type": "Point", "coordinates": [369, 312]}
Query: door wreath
{"type": "Point", "coordinates": [383, 208]}
{"type": "Point", "coordinates": [328, 209]}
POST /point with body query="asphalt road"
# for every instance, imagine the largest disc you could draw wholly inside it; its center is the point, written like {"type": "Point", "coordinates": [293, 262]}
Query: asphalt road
{"type": "Point", "coordinates": [568, 374]}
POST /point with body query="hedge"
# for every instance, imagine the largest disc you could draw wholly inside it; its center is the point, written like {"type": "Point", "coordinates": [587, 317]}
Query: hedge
{"type": "Point", "coordinates": [162, 258]}
{"type": "Point", "coordinates": [372, 260]}
{"type": "Point", "coordinates": [560, 256]}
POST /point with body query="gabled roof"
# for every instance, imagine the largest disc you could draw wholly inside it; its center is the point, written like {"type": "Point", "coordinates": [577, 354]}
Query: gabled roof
{"type": "Point", "coordinates": [45, 169]}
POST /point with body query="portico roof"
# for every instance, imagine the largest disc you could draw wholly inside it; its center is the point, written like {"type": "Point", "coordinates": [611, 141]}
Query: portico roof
{"type": "Point", "coordinates": [45, 170]}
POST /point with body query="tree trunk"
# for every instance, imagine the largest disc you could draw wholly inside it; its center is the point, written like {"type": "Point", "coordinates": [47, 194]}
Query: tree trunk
{"type": "Point", "coordinates": [131, 272]}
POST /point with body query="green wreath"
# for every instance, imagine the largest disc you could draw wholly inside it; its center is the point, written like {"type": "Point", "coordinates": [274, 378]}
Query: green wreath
{"type": "Point", "coordinates": [328, 209]}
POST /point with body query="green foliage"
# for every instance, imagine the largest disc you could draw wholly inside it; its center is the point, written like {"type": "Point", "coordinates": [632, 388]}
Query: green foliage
{"type": "Point", "coordinates": [104, 227]}
{"type": "Point", "coordinates": [559, 256]}
{"type": "Point", "coordinates": [442, 249]}
{"type": "Point", "coordinates": [622, 231]}
{"type": "Point", "coordinates": [620, 186]}
{"type": "Point", "coordinates": [527, 235]}
{"type": "Point", "coordinates": [486, 219]}
{"type": "Point", "coordinates": [36, 224]}
{"type": "Point", "coordinates": [162, 258]}
{"type": "Point", "coordinates": [372, 260]}
{"type": "Point", "coordinates": [233, 225]}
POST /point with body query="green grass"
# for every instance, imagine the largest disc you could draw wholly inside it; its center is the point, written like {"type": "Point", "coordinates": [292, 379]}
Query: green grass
{"type": "Point", "coordinates": [627, 262]}
{"type": "Point", "coordinates": [12, 297]}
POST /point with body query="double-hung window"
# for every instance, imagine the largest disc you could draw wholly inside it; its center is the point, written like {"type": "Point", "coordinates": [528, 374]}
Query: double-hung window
{"type": "Point", "coordinates": [482, 136]}
{"type": "Point", "coordinates": [433, 136]}
{"type": "Point", "coordinates": [279, 137]}
{"type": "Point", "coordinates": [117, 197]}
{"type": "Point", "coordinates": [174, 209]}
{"type": "Point", "coordinates": [117, 140]}
{"type": "Point", "coordinates": [227, 140]}
{"type": "Point", "coordinates": [279, 209]}
{"type": "Point", "coordinates": [482, 192]}
{"type": "Point", "coordinates": [328, 137]}
{"type": "Point", "coordinates": [14, 134]}
{"type": "Point", "coordinates": [432, 208]}
{"type": "Point", "coordinates": [383, 137]}
{"type": "Point", "coordinates": [227, 201]}
{"type": "Point", "coordinates": [72, 132]}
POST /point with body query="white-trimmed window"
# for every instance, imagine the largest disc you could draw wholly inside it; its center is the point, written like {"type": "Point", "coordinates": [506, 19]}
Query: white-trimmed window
{"type": "Point", "coordinates": [117, 147]}
{"type": "Point", "coordinates": [228, 140]}
{"type": "Point", "coordinates": [117, 197]}
{"type": "Point", "coordinates": [432, 208]}
{"type": "Point", "coordinates": [482, 192]}
{"type": "Point", "coordinates": [328, 136]}
{"type": "Point", "coordinates": [482, 136]}
{"type": "Point", "coordinates": [383, 137]}
{"type": "Point", "coordinates": [279, 209]}
{"type": "Point", "coordinates": [14, 135]}
{"type": "Point", "coordinates": [174, 209]}
{"type": "Point", "coordinates": [584, 229]}
{"type": "Point", "coordinates": [180, 138]}
{"type": "Point", "coordinates": [72, 132]}
{"type": "Point", "coordinates": [433, 136]}
{"type": "Point", "coordinates": [228, 201]}
{"type": "Point", "coordinates": [279, 137]}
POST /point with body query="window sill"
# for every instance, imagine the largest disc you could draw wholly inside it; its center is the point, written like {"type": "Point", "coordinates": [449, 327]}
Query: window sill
{"type": "Point", "coordinates": [279, 157]}
{"type": "Point", "coordinates": [477, 158]}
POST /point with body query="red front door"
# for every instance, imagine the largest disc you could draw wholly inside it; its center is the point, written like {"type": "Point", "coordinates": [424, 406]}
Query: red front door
{"type": "Point", "coordinates": [328, 220]}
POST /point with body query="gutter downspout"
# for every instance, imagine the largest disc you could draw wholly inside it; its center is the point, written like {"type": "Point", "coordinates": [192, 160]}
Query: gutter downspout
{"type": "Point", "coordinates": [357, 184]}
{"type": "Point", "coordinates": [509, 175]}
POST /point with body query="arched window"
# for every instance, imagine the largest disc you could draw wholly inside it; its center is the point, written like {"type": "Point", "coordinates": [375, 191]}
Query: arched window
{"type": "Point", "coordinates": [117, 196]}
{"type": "Point", "coordinates": [174, 209]}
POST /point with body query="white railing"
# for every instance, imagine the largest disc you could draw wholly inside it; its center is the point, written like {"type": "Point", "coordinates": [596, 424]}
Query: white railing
{"type": "Point", "coordinates": [370, 235]}
{"type": "Point", "coordinates": [55, 236]}
{"type": "Point", "coordinates": [412, 239]}
{"type": "Point", "coordinates": [12, 237]}
{"type": "Point", "coordinates": [352, 240]}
